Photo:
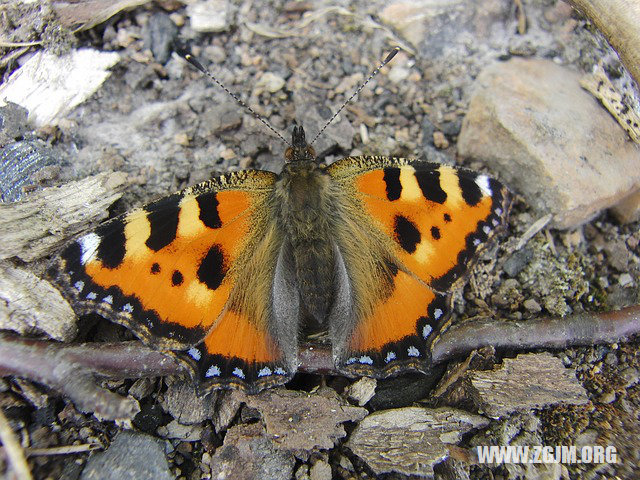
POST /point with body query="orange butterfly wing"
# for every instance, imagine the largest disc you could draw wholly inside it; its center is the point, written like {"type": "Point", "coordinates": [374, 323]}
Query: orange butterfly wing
{"type": "Point", "coordinates": [174, 272]}
{"type": "Point", "coordinates": [427, 224]}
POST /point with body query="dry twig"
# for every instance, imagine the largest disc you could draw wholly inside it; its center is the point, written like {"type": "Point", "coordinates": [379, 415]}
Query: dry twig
{"type": "Point", "coordinates": [72, 369]}
{"type": "Point", "coordinates": [13, 449]}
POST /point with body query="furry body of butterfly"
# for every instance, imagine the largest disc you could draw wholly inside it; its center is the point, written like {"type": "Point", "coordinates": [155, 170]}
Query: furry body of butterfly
{"type": "Point", "coordinates": [239, 269]}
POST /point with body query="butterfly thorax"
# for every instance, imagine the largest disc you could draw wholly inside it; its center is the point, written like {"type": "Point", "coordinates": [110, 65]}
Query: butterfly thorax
{"type": "Point", "coordinates": [305, 212]}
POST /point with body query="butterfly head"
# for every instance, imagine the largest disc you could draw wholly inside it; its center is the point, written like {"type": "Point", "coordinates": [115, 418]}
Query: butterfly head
{"type": "Point", "coordinates": [299, 150]}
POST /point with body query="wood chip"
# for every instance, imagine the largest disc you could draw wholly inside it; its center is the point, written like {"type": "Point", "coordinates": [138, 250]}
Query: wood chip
{"type": "Point", "coordinates": [46, 220]}
{"type": "Point", "coordinates": [362, 391]}
{"type": "Point", "coordinates": [599, 85]}
{"type": "Point", "coordinates": [50, 86]}
{"type": "Point", "coordinates": [301, 422]}
{"type": "Point", "coordinates": [183, 403]}
{"type": "Point", "coordinates": [410, 440]}
{"type": "Point", "coordinates": [249, 453]}
{"type": "Point", "coordinates": [31, 305]}
{"type": "Point", "coordinates": [523, 383]}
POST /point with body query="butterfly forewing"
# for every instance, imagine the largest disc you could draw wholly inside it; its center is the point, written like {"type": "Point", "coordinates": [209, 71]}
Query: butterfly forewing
{"type": "Point", "coordinates": [427, 222]}
{"type": "Point", "coordinates": [174, 272]}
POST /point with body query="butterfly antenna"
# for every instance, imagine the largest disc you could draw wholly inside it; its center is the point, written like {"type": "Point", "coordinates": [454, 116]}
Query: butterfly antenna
{"type": "Point", "coordinates": [193, 61]}
{"type": "Point", "coordinates": [387, 59]}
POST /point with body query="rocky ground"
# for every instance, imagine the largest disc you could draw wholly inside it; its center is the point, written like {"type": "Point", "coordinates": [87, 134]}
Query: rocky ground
{"type": "Point", "coordinates": [485, 85]}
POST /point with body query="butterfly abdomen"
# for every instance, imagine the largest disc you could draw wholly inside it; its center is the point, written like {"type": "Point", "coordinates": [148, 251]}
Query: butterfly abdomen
{"type": "Point", "coordinates": [305, 215]}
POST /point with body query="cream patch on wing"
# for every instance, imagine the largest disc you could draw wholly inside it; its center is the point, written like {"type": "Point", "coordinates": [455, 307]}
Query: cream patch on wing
{"type": "Point", "coordinates": [410, 189]}
{"type": "Point", "coordinates": [189, 223]}
{"type": "Point", "coordinates": [449, 183]}
{"type": "Point", "coordinates": [136, 230]}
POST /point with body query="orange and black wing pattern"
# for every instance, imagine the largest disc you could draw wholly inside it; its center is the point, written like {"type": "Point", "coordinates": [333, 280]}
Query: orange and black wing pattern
{"type": "Point", "coordinates": [427, 224]}
{"type": "Point", "coordinates": [174, 272]}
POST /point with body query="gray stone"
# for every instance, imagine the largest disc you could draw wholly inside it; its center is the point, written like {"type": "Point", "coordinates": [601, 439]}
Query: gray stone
{"type": "Point", "coordinates": [131, 455]}
{"type": "Point", "coordinates": [209, 15]}
{"type": "Point", "coordinates": [549, 140]}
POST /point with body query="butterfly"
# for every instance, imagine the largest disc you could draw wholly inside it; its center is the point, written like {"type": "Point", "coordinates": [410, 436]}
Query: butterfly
{"type": "Point", "coordinates": [241, 270]}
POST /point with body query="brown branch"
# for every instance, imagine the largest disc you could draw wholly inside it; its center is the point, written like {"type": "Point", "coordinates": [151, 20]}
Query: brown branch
{"type": "Point", "coordinates": [579, 329]}
{"type": "Point", "coordinates": [619, 22]}
{"type": "Point", "coordinates": [72, 369]}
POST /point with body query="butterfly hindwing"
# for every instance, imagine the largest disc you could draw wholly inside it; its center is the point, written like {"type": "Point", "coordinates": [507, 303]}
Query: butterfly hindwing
{"type": "Point", "coordinates": [426, 223]}
{"type": "Point", "coordinates": [176, 273]}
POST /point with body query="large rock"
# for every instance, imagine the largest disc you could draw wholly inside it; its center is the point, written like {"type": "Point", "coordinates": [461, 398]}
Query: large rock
{"type": "Point", "coordinates": [549, 140]}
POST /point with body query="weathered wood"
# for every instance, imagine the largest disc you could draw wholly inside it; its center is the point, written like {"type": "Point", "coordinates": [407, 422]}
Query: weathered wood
{"type": "Point", "coordinates": [522, 383]}
{"type": "Point", "coordinates": [30, 305]}
{"type": "Point", "coordinates": [45, 220]}
{"type": "Point", "coordinates": [302, 422]}
{"type": "Point", "coordinates": [619, 22]}
{"type": "Point", "coordinates": [410, 440]}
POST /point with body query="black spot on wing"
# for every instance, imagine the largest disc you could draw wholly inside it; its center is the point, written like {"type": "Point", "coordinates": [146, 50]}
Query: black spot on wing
{"type": "Point", "coordinates": [212, 269]}
{"type": "Point", "coordinates": [407, 234]}
{"type": "Point", "coordinates": [392, 181]}
{"type": "Point", "coordinates": [176, 278]}
{"type": "Point", "coordinates": [163, 219]}
{"type": "Point", "coordinates": [208, 205]}
{"type": "Point", "coordinates": [471, 192]}
{"type": "Point", "coordinates": [435, 233]}
{"type": "Point", "coordinates": [447, 217]}
{"type": "Point", "coordinates": [112, 247]}
{"type": "Point", "coordinates": [155, 268]}
{"type": "Point", "coordinates": [429, 183]}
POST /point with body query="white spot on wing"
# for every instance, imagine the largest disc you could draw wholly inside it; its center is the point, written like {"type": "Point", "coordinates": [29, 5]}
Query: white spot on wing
{"type": "Point", "coordinates": [88, 246]}
{"type": "Point", "coordinates": [437, 313]}
{"type": "Point", "coordinates": [79, 285]}
{"type": "Point", "coordinates": [413, 351]}
{"type": "Point", "coordinates": [91, 296]}
{"type": "Point", "coordinates": [108, 299]}
{"type": "Point", "coordinates": [390, 356]}
{"type": "Point", "coordinates": [264, 372]}
{"type": "Point", "coordinates": [366, 359]}
{"type": "Point", "coordinates": [483, 182]}
{"type": "Point", "coordinates": [279, 371]}
{"type": "Point", "coordinates": [213, 371]}
{"type": "Point", "coordinates": [351, 360]}
{"type": "Point", "coordinates": [486, 229]}
{"type": "Point", "coordinates": [476, 242]}
{"type": "Point", "coordinates": [194, 353]}
{"type": "Point", "coordinates": [426, 331]}
{"type": "Point", "coordinates": [238, 372]}
{"type": "Point", "coordinates": [127, 308]}
{"type": "Point", "coordinates": [498, 211]}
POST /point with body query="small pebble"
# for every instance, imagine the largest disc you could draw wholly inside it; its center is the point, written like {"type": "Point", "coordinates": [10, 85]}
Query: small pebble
{"type": "Point", "coordinates": [532, 306]}
{"type": "Point", "coordinates": [607, 397]}
{"type": "Point", "coordinates": [440, 141]}
{"type": "Point", "coordinates": [625, 280]}
{"type": "Point", "coordinates": [181, 139]}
